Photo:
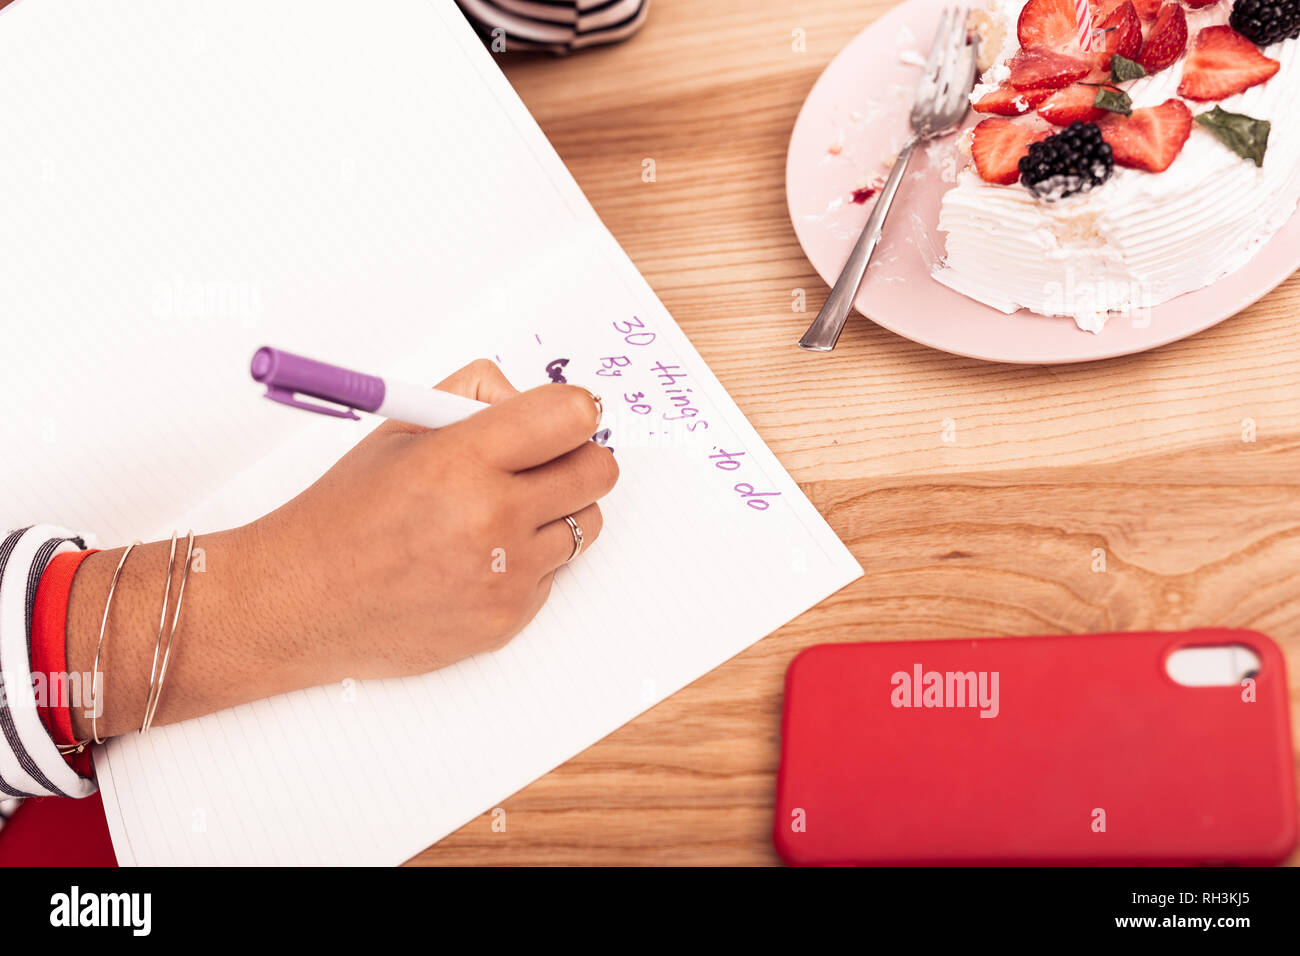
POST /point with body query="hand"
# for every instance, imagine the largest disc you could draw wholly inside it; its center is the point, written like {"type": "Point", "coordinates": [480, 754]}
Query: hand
{"type": "Point", "coordinates": [420, 548]}
{"type": "Point", "coordinates": [417, 549]}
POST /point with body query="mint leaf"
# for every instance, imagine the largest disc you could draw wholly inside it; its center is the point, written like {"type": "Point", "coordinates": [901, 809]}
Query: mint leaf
{"type": "Point", "coordinates": [1244, 135]}
{"type": "Point", "coordinates": [1122, 69]}
{"type": "Point", "coordinates": [1116, 101]}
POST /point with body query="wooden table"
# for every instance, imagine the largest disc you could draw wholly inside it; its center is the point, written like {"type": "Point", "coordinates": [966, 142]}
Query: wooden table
{"type": "Point", "coordinates": [993, 534]}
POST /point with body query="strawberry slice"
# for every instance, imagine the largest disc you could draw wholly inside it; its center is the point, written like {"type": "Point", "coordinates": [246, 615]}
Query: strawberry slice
{"type": "Point", "coordinates": [1147, 9]}
{"type": "Point", "coordinates": [1167, 39]}
{"type": "Point", "coordinates": [1122, 33]}
{"type": "Point", "coordinates": [1149, 139]}
{"type": "Point", "coordinates": [1197, 4]}
{"type": "Point", "coordinates": [1042, 69]}
{"type": "Point", "coordinates": [1009, 101]}
{"type": "Point", "coordinates": [998, 144]}
{"type": "Point", "coordinates": [1101, 11]}
{"type": "Point", "coordinates": [1222, 63]}
{"type": "Point", "coordinates": [1049, 24]}
{"type": "Point", "coordinates": [1074, 103]}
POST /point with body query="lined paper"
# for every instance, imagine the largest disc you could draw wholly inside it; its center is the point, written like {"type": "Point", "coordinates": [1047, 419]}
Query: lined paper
{"type": "Point", "coordinates": [360, 185]}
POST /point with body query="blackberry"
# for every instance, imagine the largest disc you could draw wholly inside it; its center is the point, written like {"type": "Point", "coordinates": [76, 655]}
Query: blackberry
{"type": "Point", "coordinates": [1071, 161]}
{"type": "Point", "coordinates": [1266, 21]}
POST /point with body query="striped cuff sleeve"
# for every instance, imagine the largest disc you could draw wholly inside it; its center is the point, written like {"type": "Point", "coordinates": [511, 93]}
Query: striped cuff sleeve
{"type": "Point", "coordinates": [559, 26]}
{"type": "Point", "coordinates": [30, 762]}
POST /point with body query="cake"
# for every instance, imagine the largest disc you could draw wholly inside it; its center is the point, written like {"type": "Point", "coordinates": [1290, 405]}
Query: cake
{"type": "Point", "coordinates": [1109, 180]}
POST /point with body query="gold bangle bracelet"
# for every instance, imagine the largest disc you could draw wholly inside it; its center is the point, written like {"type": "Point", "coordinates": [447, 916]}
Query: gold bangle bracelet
{"type": "Point", "coordinates": [96, 685]}
{"type": "Point", "coordinates": [150, 710]}
{"type": "Point", "coordinates": [157, 645]}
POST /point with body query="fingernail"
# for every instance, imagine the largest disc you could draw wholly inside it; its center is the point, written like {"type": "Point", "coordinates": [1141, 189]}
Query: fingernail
{"type": "Point", "coordinates": [600, 406]}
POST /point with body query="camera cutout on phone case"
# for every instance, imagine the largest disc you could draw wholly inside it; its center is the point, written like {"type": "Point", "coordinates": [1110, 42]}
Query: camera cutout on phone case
{"type": "Point", "coordinates": [1212, 665]}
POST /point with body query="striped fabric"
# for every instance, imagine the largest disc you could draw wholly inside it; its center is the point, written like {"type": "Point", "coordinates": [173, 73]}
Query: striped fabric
{"type": "Point", "coordinates": [30, 763]}
{"type": "Point", "coordinates": [558, 26]}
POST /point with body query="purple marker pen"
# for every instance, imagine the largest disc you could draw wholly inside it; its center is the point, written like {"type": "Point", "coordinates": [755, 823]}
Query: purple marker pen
{"type": "Point", "coordinates": [286, 376]}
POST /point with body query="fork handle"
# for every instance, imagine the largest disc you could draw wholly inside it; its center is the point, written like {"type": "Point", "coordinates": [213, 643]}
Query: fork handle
{"type": "Point", "coordinates": [825, 329]}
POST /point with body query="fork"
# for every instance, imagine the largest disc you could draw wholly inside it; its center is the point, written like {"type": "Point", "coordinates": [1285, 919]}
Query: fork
{"type": "Point", "coordinates": [940, 104]}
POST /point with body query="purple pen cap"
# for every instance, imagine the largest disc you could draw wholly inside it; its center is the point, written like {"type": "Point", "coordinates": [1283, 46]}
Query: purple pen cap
{"type": "Point", "coordinates": [286, 375]}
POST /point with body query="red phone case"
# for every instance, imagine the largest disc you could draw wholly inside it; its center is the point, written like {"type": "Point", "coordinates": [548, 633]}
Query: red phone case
{"type": "Point", "coordinates": [1095, 755]}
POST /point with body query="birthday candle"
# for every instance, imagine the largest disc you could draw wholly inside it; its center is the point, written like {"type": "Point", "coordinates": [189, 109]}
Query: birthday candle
{"type": "Point", "coordinates": [1083, 16]}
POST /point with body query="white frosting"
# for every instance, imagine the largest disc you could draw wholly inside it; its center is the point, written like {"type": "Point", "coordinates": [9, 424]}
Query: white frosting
{"type": "Point", "coordinates": [1140, 238]}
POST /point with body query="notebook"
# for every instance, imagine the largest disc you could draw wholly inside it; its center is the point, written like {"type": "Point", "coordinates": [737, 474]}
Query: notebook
{"type": "Point", "coordinates": [359, 184]}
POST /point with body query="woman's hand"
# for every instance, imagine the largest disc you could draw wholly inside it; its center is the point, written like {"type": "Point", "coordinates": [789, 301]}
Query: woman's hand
{"type": "Point", "coordinates": [416, 549]}
{"type": "Point", "coordinates": [419, 548]}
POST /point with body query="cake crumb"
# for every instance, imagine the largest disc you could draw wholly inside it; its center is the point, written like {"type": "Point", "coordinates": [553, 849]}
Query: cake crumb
{"type": "Point", "coordinates": [865, 190]}
{"type": "Point", "coordinates": [991, 37]}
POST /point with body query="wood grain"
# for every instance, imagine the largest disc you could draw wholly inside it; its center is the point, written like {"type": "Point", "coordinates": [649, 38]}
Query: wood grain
{"type": "Point", "coordinates": [992, 533]}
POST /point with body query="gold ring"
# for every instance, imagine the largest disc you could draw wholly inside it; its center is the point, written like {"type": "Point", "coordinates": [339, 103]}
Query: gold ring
{"type": "Point", "coordinates": [577, 537]}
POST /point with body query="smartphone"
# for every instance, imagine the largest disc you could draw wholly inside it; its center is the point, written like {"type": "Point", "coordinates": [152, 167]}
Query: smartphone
{"type": "Point", "coordinates": [1125, 748]}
